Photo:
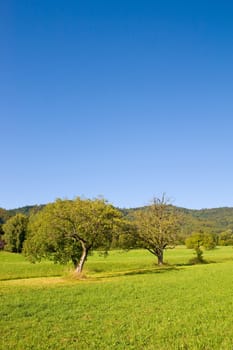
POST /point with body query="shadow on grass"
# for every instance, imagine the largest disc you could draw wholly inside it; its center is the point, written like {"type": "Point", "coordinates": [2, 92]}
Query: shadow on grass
{"type": "Point", "coordinates": [98, 274]}
{"type": "Point", "coordinates": [152, 270]}
{"type": "Point", "coordinates": [194, 261]}
{"type": "Point", "coordinates": [15, 278]}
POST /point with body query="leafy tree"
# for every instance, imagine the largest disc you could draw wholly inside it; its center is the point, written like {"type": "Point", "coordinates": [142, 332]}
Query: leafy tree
{"type": "Point", "coordinates": [2, 242]}
{"type": "Point", "coordinates": [127, 238]}
{"type": "Point", "coordinates": [209, 241]}
{"type": "Point", "coordinates": [195, 242]}
{"type": "Point", "coordinates": [15, 230]}
{"type": "Point", "coordinates": [198, 241]}
{"type": "Point", "coordinates": [226, 237]}
{"type": "Point", "coordinates": [70, 229]}
{"type": "Point", "coordinates": [157, 227]}
{"type": "Point", "coordinates": [4, 215]}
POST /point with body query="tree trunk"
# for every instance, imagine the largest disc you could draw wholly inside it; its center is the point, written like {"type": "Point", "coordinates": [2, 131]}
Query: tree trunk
{"type": "Point", "coordinates": [159, 255]}
{"type": "Point", "coordinates": [82, 260]}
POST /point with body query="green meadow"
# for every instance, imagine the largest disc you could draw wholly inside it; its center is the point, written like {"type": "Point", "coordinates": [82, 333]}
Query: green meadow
{"type": "Point", "coordinates": [124, 301]}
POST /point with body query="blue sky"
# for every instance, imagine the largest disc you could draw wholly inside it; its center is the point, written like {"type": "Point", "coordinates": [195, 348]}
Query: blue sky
{"type": "Point", "coordinates": [124, 99]}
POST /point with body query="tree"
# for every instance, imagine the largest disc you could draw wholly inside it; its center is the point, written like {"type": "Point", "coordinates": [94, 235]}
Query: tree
{"type": "Point", "coordinates": [157, 227]}
{"type": "Point", "coordinates": [199, 240]}
{"type": "Point", "coordinates": [209, 240]}
{"type": "Point", "coordinates": [195, 242]}
{"type": "Point", "coordinates": [226, 237]}
{"type": "Point", "coordinates": [70, 229]}
{"type": "Point", "coordinates": [2, 242]}
{"type": "Point", "coordinates": [15, 230]}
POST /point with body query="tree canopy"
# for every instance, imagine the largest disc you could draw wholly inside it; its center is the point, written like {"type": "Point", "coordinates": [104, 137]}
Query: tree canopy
{"type": "Point", "coordinates": [70, 229]}
{"type": "Point", "coordinates": [15, 230]}
{"type": "Point", "coordinates": [198, 241]}
{"type": "Point", "coordinates": [226, 237]}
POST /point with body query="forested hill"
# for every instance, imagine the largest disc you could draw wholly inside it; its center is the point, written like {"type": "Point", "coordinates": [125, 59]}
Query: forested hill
{"type": "Point", "coordinates": [26, 210]}
{"type": "Point", "coordinates": [6, 214]}
{"type": "Point", "coordinates": [213, 220]}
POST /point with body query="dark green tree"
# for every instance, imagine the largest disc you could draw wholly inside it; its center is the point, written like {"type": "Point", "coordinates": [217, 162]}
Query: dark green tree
{"type": "Point", "coordinates": [15, 230]}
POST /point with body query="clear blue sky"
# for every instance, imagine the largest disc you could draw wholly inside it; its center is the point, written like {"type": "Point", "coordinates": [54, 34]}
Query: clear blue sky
{"type": "Point", "coordinates": [125, 99]}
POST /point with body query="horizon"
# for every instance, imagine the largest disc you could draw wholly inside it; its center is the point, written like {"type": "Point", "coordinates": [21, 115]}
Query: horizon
{"type": "Point", "coordinates": [139, 206]}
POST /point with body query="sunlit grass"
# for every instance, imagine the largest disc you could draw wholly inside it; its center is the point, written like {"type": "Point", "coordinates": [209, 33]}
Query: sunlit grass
{"type": "Point", "coordinates": [15, 266]}
{"type": "Point", "coordinates": [129, 303]}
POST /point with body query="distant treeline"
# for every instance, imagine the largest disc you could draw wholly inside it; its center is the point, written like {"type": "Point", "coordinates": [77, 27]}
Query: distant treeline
{"type": "Point", "coordinates": [214, 220]}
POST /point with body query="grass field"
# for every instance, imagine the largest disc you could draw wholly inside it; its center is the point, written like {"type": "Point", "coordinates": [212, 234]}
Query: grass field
{"type": "Point", "coordinates": [126, 302]}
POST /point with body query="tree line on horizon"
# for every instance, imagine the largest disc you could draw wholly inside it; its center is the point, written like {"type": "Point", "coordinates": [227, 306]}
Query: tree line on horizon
{"type": "Point", "coordinates": [215, 220]}
{"type": "Point", "coordinates": [69, 230]}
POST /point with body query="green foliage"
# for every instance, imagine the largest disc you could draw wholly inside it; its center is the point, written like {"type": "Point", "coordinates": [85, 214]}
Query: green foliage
{"type": "Point", "coordinates": [226, 237]}
{"type": "Point", "coordinates": [2, 242]}
{"type": "Point", "coordinates": [209, 241]}
{"type": "Point", "coordinates": [15, 230]}
{"type": "Point", "coordinates": [27, 210]}
{"type": "Point", "coordinates": [69, 230]}
{"type": "Point", "coordinates": [213, 221]}
{"type": "Point", "coordinates": [199, 240]}
{"type": "Point", "coordinates": [195, 242]}
{"type": "Point", "coordinates": [4, 215]}
{"type": "Point", "coordinates": [126, 237]}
